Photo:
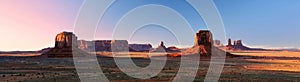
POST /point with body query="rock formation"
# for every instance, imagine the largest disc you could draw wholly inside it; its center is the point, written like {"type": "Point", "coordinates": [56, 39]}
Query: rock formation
{"type": "Point", "coordinates": [203, 43]}
{"type": "Point", "coordinates": [237, 45]}
{"type": "Point", "coordinates": [103, 45]}
{"type": "Point", "coordinates": [229, 42]}
{"type": "Point", "coordinates": [65, 45]}
{"type": "Point", "coordinates": [217, 43]}
{"type": "Point", "coordinates": [86, 45]}
{"type": "Point", "coordinates": [119, 45]}
{"type": "Point", "coordinates": [173, 49]}
{"type": "Point", "coordinates": [162, 48]}
{"type": "Point", "coordinates": [203, 37]}
{"type": "Point", "coordinates": [202, 46]}
{"type": "Point", "coordinates": [140, 47]}
{"type": "Point", "coordinates": [65, 40]}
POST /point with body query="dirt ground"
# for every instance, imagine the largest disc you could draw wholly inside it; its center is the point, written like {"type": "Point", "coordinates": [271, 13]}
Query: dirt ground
{"type": "Point", "coordinates": [239, 69]}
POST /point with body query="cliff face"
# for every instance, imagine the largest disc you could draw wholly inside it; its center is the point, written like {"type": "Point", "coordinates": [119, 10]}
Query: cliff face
{"type": "Point", "coordinates": [65, 40]}
{"type": "Point", "coordinates": [203, 37]}
{"type": "Point", "coordinates": [119, 45]}
{"type": "Point", "coordinates": [65, 46]}
{"type": "Point", "coordinates": [203, 45]}
{"type": "Point", "coordinates": [103, 45]}
{"type": "Point", "coordinates": [140, 47]}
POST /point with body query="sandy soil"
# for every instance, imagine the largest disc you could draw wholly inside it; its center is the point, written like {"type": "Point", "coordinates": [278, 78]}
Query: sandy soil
{"type": "Point", "coordinates": [273, 60]}
{"type": "Point", "coordinates": [22, 55]}
{"type": "Point", "coordinates": [132, 54]}
{"type": "Point", "coordinates": [240, 69]}
{"type": "Point", "coordinates": [276, 65]}
{"type": "Point", "coordinates": [269, 53]}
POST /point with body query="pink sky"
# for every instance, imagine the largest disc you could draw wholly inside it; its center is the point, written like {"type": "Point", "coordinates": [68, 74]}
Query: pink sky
{"type": "Point", "coordinates": [33, 24]}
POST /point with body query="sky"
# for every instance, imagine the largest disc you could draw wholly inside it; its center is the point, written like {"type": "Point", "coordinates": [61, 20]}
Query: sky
{"type": "Point", "coordinates": [33, 24]}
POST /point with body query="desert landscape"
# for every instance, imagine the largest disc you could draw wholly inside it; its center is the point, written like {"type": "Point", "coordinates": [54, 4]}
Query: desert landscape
{"type": "Point", "coordinates": [238, 69]}
{"type": "Point", "coordinates": [242, 63]}
{"type": "Point", "coordinates": [149, 41]}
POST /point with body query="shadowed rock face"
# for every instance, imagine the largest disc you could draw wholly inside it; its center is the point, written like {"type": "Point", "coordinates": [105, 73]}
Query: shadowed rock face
{"type": "Point", "coordinates": [203, 46]}
{"type": "Point", "coordinates": [203, 42]}
{"type": "Point", "coordinates": [237, 45]}
{"type": "Point", "coordinates": [229, 42]}
{"type": "Point", "coordinates": [162, 48]}
{"type": "Point", "coordinates": [119, 45]}
{"type": "Point", "coordinates": [140, 47]}
{"type": "Point", "coordinates": [217, 43]}
{"type": "Point", "coordinates": [203, 37]}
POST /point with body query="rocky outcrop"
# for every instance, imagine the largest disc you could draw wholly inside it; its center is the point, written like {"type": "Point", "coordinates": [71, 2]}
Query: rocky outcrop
{"type": "Point", "coordinates": [162, 48]}
{"type": "Point", "coordinates": [202, 46]}
{"type": "Point", "coordinates": [65, 46]}
{"type": "Point", "coordinates": [65, 40]}
{"type": "Point", "coordinates": [203, 37]}
{"type": "Point", "coordinates": [119, 45]}
{"type": "Point", "coordinates": [229, 42]}
{"type": "Point", "coordinates": [203, 42]}
{"type": "Point", "coordinates": [173, 49]}
{"type": "Point", "coordinates": [217, 43]}
{"type": "Point", "coordinates": [237, 45]}
{"type": "Point", "coordinates": [140, 47]}
{"type": "Point", "coordinates": [103, 45]}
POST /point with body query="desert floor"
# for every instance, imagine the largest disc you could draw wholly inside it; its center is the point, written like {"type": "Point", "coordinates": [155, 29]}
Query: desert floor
{"type": "Point", "coordinates": [251, 66]}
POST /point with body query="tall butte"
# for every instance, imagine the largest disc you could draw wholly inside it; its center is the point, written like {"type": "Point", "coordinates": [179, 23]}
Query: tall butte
{"type": "Point", "coordinates": [64, 46]}
{"type": "Point", "coordinates": [203, 45]}
{"type": "Point", "coordinates": [65, 40]}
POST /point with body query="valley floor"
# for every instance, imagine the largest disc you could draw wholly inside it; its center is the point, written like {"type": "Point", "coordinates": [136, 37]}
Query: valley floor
{"type": "Point", "coordinates": [239, 69]}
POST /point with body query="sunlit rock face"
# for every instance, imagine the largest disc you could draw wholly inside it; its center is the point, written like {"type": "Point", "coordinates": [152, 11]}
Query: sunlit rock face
{"type": "Point", "coordinates": [65, 40]}
{"type": "Point", "coordinates": [65, 46]}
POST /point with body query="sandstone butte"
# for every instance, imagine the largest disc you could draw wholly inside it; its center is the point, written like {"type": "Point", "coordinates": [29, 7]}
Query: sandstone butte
{"type": "Point", "coordinates": [66, 43]}
{"type": "Point", "coordinates": [63, 46]}
{"type": "Point", "coordinates": [203, 46]}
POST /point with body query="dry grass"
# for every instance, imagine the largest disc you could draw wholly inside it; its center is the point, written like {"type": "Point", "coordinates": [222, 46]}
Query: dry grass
{"type": "Point", "coordinates": [21, 55]}
{"type": "Point", "coordinates": [275, 65]}
{"type": "Point", "coordinates": [269, 53]}
{"type": "Point", "coordinates": [131, 54]}
{"type": "Point", "coordinates": [271, 63]}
